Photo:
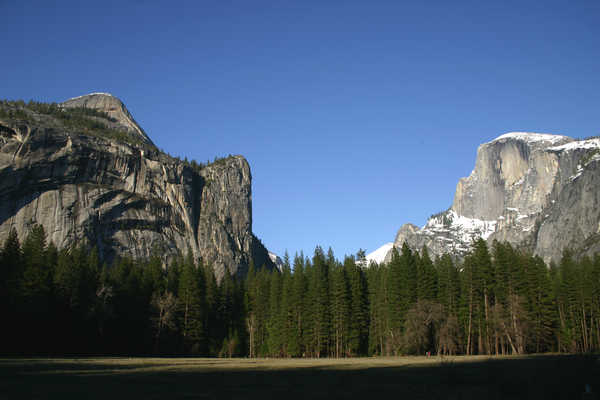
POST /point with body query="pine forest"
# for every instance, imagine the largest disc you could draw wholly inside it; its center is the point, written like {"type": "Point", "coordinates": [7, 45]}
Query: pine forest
{"type": "Point", "coordinates": [498, 300]}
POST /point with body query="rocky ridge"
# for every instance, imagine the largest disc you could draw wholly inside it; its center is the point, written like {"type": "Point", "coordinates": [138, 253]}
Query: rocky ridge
{"type": "Point", "coordinates": [538, 192]}
{"type": "Point", "coordinates": [120, 117]}
{"type": "Point", "coordinates": [126, 198]}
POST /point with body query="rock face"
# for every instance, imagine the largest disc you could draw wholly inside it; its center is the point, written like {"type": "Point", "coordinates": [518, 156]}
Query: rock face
{"type": "Point", "coordinates": [126, 199]}
{"type": "Point", "coordinates": [539, 192]}
{"type": "Point", "coordinates": [114, 108]}
{"type": "Point", "coordinates": [277, 261]}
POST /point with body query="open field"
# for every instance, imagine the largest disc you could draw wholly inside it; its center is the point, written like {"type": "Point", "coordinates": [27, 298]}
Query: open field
{"type": "Point", "coordinates": [479, 377]}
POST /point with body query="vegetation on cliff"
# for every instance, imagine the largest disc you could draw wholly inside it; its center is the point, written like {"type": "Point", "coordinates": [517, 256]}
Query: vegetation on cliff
{"type": "Point", "coordinates": [81, 120]}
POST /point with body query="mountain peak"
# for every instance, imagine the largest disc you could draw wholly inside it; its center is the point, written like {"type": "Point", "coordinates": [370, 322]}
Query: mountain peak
{"type": "Point", "coordinates": [380, 254]}
{"type": "Point", "coordinates": [536, 191]}
{"type": "Point", "coordinates": [531, 137]}
{"type": "Point", "coordinates": [113, 107]}
{"type": "Point", "coordinates": [93, 94]}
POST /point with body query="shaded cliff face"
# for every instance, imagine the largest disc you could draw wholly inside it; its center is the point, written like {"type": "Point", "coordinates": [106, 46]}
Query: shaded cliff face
{"type": "Point", "coordinates": [126, 199]}
{"type": "Point", "coordinates": [539, 192]}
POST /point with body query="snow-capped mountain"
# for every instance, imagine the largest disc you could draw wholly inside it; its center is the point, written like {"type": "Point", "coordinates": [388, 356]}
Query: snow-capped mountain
{"type": "Point", "coordinates": [276, 260]}
{"type": "Point", "coordinates": [378, 255]}
{"type": "Point", "coordinates": [537, 191]}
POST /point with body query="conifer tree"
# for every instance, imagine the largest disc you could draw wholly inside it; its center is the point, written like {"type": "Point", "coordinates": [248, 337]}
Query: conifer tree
{"type": "Point", "coordinates": [541, 306]}
{"type": "Point", "coordinates": [359, 308]}
{"type": "Point", "coordinates": [448, 295]}
{"type": "Point", "coordinates": [172, 275]}
{"type": "Point", "coordinates": [468, 302]}
{"type": "Point", "coordinates": [340, 310]}
{"type": "Point", "coordinates": [567, 303]}
{"type": "Point", "coordinates": [35, 290]}
{"type": "Point", "coordinates": [10, 280]}
{"type": "Point", "coordinates": [212, 296]}
{"type": "Point", "coordinates": [250, 309]}
{"type": "Point", "coordinates": [298, 303]}
{"type": "Point", "coordinates": [274, 322]}
{"type": "Point", "coordinates": [448, 287]}
{"type": "Point", "coordinates": [395, 295]}
{"type": "Point", "coordinates": [11, 264]}
{"type": "Point", "coordinates": [377, 278]}
{"type": "Point", "coordinates": [320, 311]}
{"type": "Point", "coordinates": [37, 275]}
{"type": "Point", "coordinates": [483, 281]}
{"type": "Point", "coordinates": [191, 307]}
{"type": "Point", "coordinates": [257, 306]}
{"type": "Point", "coordinates": [153, 275]}
{"type": "Point", "coordinates": [426, 277]}
{"type": "Point", "coordinates": [287, 307]}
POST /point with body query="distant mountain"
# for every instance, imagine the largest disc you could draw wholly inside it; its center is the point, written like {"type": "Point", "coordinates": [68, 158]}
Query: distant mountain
{"type": "Point", "coordinates": [379, 255]}
{"type": "Point", "coordinates": [539, 192]}
{"type": "Point", "coordinates": [277, 261]}
{"type": "Point", "coordinates": [87, 172]}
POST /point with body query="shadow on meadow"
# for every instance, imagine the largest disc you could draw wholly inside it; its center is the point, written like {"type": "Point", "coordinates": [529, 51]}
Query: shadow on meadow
{"type": "Point", "coordinates": [535, 377]}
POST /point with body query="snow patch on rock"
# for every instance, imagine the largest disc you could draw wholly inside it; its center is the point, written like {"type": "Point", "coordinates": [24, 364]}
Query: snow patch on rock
{"type": "Point", "coordinates": [578, 145]}
{"type": "Point", "coordinates": [91, 94]}
{"type": "Point", "coordinates": [533, 137]}
{"type": "Point", "coordinates": [464, 228]}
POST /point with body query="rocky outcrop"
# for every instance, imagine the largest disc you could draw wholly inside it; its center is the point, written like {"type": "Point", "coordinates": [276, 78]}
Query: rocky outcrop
{"type": "Point", "coordinates": [277, 261]}
{"type": "Point", "coordinates": [538, 192]}
{"type": "Point", "coordinates": [120, 118]}
{"type": "Point", "coordinates": [124, 198]}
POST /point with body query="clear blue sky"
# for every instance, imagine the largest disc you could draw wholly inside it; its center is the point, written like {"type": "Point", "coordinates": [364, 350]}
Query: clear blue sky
{"type": "Point", "coordinates": [355, 116]}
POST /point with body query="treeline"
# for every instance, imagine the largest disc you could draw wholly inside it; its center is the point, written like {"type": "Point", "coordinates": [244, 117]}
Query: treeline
{"type": "Point", "coordinates": [60, 302]}
{"type": "Point", "coordinates": [497, 301]}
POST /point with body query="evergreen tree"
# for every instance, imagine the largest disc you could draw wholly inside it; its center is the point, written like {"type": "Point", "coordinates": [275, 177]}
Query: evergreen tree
{"type": "Point", "coordinates": [37, 274]}
{"type": "Point", "coordinates": [191, 307]}
{"type": "Point", "coordinates": [10, 280]}
{"type": "Point", "coordinates": [287, 307]}
{"type": "Point", "coordinates": [275, 325]}
{"type": "Point", "coordinates": [319, 333]}
{"type": "Point", "coordinates": [153, 275]}
{"type": "Point", "coordinates": [257, 302]}
{"type": "Point", "coordinates": [541, 306]}
{"type": "Point", "coordinates": [340, 310]}
{"type": "Point", "coordinates": [35, 291]}
{"type": "Point", "coordinates": [394, 299]}
{"type": "Point", "coordinates": [377, 278]}
{"type": "Point", "coordinates": [427, 277]}
{"type": "Point", "coordinates": [295, 339]}
{"type": "Point", "coordinates": [448, 295]}
{"type": "Point", "coordinates": [359, 308]}
{"type": "Point", "coordinates": [567, 303]}
{"type": "Point", "coordinates": [212, 303]}
{"type": "Point", "coordinates": [483, 282]}
{"type": "Point", "coordinates": [448, 288]}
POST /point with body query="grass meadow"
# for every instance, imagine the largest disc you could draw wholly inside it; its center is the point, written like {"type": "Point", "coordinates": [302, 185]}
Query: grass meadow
{"type": "Point", "coordinates": [461, 377]}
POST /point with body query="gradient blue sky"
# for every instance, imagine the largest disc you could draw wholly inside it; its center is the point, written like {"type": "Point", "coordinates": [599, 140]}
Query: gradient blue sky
{"type": "Point", "coordinates": [355, 116]}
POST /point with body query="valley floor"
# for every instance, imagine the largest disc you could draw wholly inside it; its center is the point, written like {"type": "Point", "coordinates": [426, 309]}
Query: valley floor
{"type": "Point", "coordinates": [462, 377]}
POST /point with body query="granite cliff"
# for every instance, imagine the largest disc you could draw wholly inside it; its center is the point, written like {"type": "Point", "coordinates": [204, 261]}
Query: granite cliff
{"type": "Point", "coordinates": [86, 171]}
{"type": "Point", "coordinates": [539, 192]}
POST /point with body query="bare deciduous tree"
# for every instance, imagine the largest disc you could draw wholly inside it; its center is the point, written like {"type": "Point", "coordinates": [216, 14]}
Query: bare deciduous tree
{"type": "Point", "coordinates": [422, 325]}
{"type": "Point", "coordinates": [163, 307]}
